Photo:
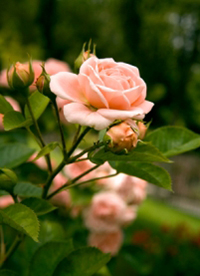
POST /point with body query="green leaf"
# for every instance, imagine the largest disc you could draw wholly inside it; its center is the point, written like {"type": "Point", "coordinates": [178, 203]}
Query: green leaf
{"type": "Point", "coordinates": [5, 106]}
{"type": "Point", "coordinates": [38, 205]}
{"type": "Point", "coordinates": [48, 256]}
{"type": "Point", "coordinates": [21, 218]}
{"type": "Point", "coordinates": [85, 261]}
{"type": "Point", "coordinates": [6, 272]}
{"type": "Point", "coordinates": [14, 119]}
{"type": "Point", "coordinates": [147, 171]}
{"type": "Point", "coordinates": [26, 189]}
{"type": "Point", "coordinates": [46, 150]}
{"type": "Point", "coordinates": [38, 103]}
{"type": "Point", "coordinates": [13, 155]}
{"type": "Point", "coordinates": [173, 140]}
{"type": "Point", "coordinates": [144, 152]}
{"type": "Point", "coordinates": [8, 180]}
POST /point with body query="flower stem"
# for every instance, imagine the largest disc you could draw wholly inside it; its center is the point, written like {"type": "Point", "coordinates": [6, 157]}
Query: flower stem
{"type": "Point", "coordinates": [78, 140]}
{"type": "Point", "coordinates": [55, 108]}
{"type": "Point", "coordinates": [71, 183]}
{"type": "Point", "coordinates": [13, 247]}
{"type": "Point", "coordinates": [47, 156]}
{"type": "Point", "coordinates": [51, 177]}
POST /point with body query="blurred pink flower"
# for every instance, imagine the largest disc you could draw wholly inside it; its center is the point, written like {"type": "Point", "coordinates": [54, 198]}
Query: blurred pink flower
{"type": "Point", "coordinates": [105, 212]}
{"type": "Point", "coordinates": [75, 169]}
{"type": "Point", "coordinates": [5, 201]}
{"type": "Point", "coordinates": [62, 199]}
{"type": "Point", "coordinates": [52, 67]}
{"type": "Point", "coordinates": [15, 106]}
{"type": "Point", "coordinates": [102, 171]}
{"type": "Point", "coordinates": [107, 242]}
{"type": "Point", "coordinates": [131, 189]}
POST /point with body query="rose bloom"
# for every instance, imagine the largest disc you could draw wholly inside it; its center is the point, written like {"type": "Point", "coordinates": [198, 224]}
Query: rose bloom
{"type": "Point", "coordinates": [61, 199]}
{"type": "Point", "coordinates": [107, 242]}
{"type": "Point", "coordinates": [77, 168]}
{"type": "Point", "coordinates": [5, 201]}
{"type": "Point", "coordinates": [102, 171]}
{"type": "Point", "coordinates": [52, 66]}
{"type": "Point", "coordinates": [105, 212]}
{"type": "Point", "coordinates": [102, 92]}
{"type": "Point", "coordinates": [131, 189]}
{"type": "Point", "coordinates": [15, 106]}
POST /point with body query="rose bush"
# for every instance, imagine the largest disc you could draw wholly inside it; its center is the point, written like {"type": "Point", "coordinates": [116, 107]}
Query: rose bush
{"type": "Point", "coordinates": [102, 92]}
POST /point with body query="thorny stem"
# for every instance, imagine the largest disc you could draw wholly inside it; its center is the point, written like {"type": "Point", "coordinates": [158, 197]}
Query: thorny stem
{"type": "Point", "coordinates": [77, 134]}
{"type": "Point", "coordinates": [65, 161]}
{"type": "Point", "coordinates": [78, 140]}
{"type": "Point", "coordinates": [95, 146]}
{"type": "Point", "coordinates": [72, 182]}
{"type": "Point", "coordinates": [47, 156]}
{"type": "Point", "coordinates": [55, 108]}
{"type": "Point", "coordinates": [51, 177]}
{"type": "Point", "coordinates": [92, 179]}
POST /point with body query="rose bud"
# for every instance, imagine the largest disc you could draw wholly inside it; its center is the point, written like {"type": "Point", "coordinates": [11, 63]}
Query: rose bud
{"type": "Point", "coordinates": [43, 81]}
{"type": "Point", "coordinates": [142, 130]}
{"type": "Point", "coordinates": [20, 76]}
{"type": "Point", "coordinates": [84, 55]}
{"type": "Point", "coordinates": [122, 137]}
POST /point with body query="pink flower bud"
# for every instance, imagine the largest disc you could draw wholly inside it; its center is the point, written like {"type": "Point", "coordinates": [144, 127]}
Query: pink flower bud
{"type": "Point", "coordinates": [84, 55]}
{"type": "Point", "coordinates": [20, 76]}
{"type": "Point", "coordinates": [142, 130]}
{"type": "Point", "coordinates": [43, 81]}
{"type": "Point", "coordinates": [122, 137]}
{"type": "Point", "coordinates": [107, 242]}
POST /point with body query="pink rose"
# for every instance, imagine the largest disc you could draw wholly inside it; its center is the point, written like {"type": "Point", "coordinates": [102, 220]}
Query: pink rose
{"type": "Point", "coordinates": [75, 169]}
{"type": "Point", "coordinates": [102, 171]}
{"type": "Point", "coordinates": [102, 92]}
{"type": "Point", "coordinates": [52, 66]}
{"type": "Point", "coordinates": [61, 199]}
{"type": "Point", "coordinates": [5, 201]}
{"type": "Point", "coordinates": [15, 106]}
{"type": "Point", "coordinates": [131, 189]}
{"type": "Point", "coordinates": [105, 213]}
{"type": "Point", "coordinates": [107, 242]}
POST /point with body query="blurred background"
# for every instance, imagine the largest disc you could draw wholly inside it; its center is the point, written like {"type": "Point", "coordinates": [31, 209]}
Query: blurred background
{"type": "Point", "coordinates": [161, 38]}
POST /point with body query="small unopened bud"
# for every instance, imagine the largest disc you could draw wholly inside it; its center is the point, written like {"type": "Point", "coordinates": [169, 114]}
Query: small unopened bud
{"type": "Point", "coordinates": [20, 76]}
{"type": "Point", "coordinates": [84, 55]}
{"type": "Point", "coordinates": [122, 137]}
{"type": "Point", "coordinates": [142, 130]}
{"type": "Point", "coordinates": [43, 81]}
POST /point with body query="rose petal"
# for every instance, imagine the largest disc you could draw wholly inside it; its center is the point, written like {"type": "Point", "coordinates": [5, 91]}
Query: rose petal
{"type": "Point", "coordinates": [146, 106]}
{"type": "Point", "coordinates": [80, 114]}
{"type": "Point", "coordinates": [66, 86]}
{"type": "Point", "coordinates": [119, 102]}
{"type": "Point", "coordinates": [134, 93]}
{"type": "Point", "coordinates": [129, 69]}
{"type": "Point", "coordinates": [111, 82]}
{"type": "Point", "coordinates": [92, 62]}
{"type": "Point", "coordinates": [114, 114]}
{"type": "Point", "coordinates": [92, 93]}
